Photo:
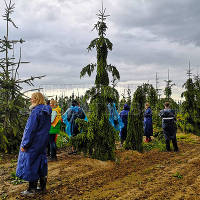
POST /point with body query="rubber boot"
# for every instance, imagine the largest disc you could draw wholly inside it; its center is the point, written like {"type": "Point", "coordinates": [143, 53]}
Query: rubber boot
{"type": "Point", "coordinates": [175, 145]}
{"type": "Point", "coordinates": [43, 183]}
{"type": "Point", "coordinates": [168, 145]}
{"type": "Point", "coordinates": [31, 189]}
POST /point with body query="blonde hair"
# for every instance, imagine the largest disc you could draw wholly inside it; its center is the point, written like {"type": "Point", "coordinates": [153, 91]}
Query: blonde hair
{"type": "Point", "coordinates": [39, 98]}
{"type": "Point", "coordinates": [147, 104]}
{"type": "Point", "coordinates": [53, 102]}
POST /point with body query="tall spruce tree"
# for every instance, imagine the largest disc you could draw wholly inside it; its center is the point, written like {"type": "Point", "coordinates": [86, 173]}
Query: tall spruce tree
{"type": "Point", "coordinates": [151, 95]}
{"type": "Point", "coordinates": [129, 96]}
{"type": "Point", "coordinates": [102, 45]}
{"type": "Point", "coordinates": [189, 104]}
{"type": "Point", "coordinates": [135, 130]}
{"type": "Point", "coordinates": [197, 105]}
{"type": "Point", "coordinates": [12, 100]}
{"type": "Point", "coordinates": [100, 132]}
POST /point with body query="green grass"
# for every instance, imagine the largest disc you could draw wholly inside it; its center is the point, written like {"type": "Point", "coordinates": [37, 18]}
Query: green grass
{"type": "Point", "coordinates": [160, 144]}
{"type": "Point", "coordinates": [182, 137]}
{"type": "Point", "coordinates": [14, 179]}
{"type": "Point", "coordinates": [186, 138]}
{"type": "Point", "coordinates": [178, 175]}
{"type": "Point", "coordinates": [4, 196]}
{"type": "Point", "coordinates": [155, 144]}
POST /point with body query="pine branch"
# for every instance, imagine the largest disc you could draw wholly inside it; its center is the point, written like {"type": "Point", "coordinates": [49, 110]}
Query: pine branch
{"type": "Point", "coordinates": [16, 71]}
{"type": "Point", "coordinates": [114, 71]}
{"type": "Point", "coordinates": [87, 70]}
{"type": "Point", "coordinates": [92, 44]}
{"type": "Point", "coordinates": [29, 80]}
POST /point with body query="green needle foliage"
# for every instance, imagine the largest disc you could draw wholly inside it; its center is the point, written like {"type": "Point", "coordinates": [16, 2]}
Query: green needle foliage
{"type": "Point", "coordinates": [13, 102]}
{"type": "Point", "coordinates": [151, 95]}
{"type": "Point", "coordinates": [189, 117]}
{"type": "Point", "coordinates": [100, 133]}
{"type": "Point", "coordinates": [135, 130]}
{"type": "Point", "coordinates": [168, 88]}
{"type": "Point", "coordinates": [102, 45]}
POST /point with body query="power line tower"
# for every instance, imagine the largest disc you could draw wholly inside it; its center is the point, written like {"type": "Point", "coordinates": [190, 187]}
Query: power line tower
{"type": "Point", "coordinates": [189, 71]}
{"type": "Point", "coordinates": [157, 89]}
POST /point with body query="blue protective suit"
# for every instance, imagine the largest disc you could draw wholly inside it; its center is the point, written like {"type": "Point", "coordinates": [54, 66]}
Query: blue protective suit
{"type": "Point", "coordinates": [114, 117]}
{"type": "Point", "coordinates": [148, 127]}
{"type": "Point", "coordinates": [124, 116]}
{"type": "Point", "coordinates": [32, 163]}
{"type": "Point", "coordinates": [69, 118]}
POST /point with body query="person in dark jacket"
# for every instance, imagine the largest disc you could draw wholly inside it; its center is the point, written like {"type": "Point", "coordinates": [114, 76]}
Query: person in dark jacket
{"type": "Point", "coordinates": [32, 159]}
{"type": "Point", "coordinates": [169, 126]}
{"type": "Point", "coordinates": [124, 116]}
{"type": "Point", "coordinates": [148, 127]}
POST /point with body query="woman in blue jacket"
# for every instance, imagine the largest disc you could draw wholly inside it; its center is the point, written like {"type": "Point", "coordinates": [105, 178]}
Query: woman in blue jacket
{"type": "Point", "coordinates": [124, 116]}
{"type": "Point", "coordinates": [32, 159]}
{"type": "Point", "coordinates": [148, 127]}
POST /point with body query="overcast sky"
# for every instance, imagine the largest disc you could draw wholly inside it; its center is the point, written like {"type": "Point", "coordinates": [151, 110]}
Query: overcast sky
{"type": "Point", "coordinates": [148, 36]}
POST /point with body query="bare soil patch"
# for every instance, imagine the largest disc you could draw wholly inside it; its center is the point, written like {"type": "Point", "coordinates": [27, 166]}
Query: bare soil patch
{"type": "Point", "coordinates": [136, 176]}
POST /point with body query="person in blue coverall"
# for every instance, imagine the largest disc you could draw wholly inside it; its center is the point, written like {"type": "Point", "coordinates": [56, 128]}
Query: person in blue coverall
{"type": "Point", "coordinates": [124, 116]}
{"type": "Point", "coordinates": [32, 159]}
{"type": "Point", "coordinates": [148, 126]}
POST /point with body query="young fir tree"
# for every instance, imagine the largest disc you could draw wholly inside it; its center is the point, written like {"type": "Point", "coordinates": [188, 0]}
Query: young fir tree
{"type": "Point", "coordinates": [100, 133]}
{"type": "Point", "coordinates": [129, 96]}
{"type": "Point", "coordinates": [12, 100]}
{"type": "Point", "coordinates": [135, 130]}
{"type": "Point", "coordinates": [197, 99]}
{"type": "Point", "coordinates": [125, 100]}
{"type": "Point", "coordinates": [168, 88]}
{"type": "Point", "coordinates": [189, 105]}
{"type": "Point", "coordinates": [150, 94]}
{"type": "Point", "coordinates": [122, 101]}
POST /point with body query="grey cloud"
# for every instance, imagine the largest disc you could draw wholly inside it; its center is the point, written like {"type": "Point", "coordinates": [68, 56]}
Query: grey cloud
{"type": "Point", "coordinates": [175, 20]}
{"type": "Point", "coordinates": [148, 36]}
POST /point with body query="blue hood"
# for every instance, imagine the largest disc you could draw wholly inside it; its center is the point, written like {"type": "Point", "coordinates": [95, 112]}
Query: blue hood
{"type": "Point", "coordinates": [46, 109]}
{"type": "Point", "coordinates": [126, 107]}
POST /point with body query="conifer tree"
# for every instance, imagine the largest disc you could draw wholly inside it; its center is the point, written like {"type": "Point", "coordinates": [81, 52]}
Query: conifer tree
{"type": "Point", "coordinates": [168, 88]}
{"type": "Point", "coordinates": [129, 96]}
{"type": "Point", "coordinates": [197, 105]}
{"type": "Point", "coordinates": [189, 105]}
{"type": "Point", "coordinates": [122, 101]}
{"type": "Point", "coordinates": [100, 132]}
{"type": "Point", "coordinates": [12, 100]}
{"type": "Point", "coordinates": [135, 130]}
{"type": "Point", "coordinates": [102, 45]}
{"type": "Point", "coordinates": [151, 95]}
